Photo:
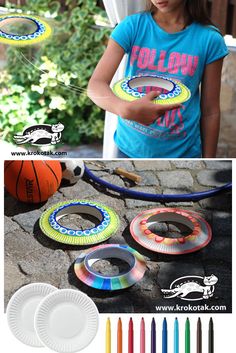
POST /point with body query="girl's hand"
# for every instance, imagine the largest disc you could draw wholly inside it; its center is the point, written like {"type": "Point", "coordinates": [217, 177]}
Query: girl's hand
{"type": "Point", "coordinates": [144, 111]}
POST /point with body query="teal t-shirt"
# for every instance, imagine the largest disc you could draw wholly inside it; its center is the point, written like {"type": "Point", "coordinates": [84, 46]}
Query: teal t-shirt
{"type": "Point", "coordinates": [181, 56]}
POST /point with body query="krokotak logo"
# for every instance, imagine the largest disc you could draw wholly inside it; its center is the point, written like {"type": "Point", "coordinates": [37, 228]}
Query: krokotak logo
{"type": "Point", "coordinates": [191, 288]}
{"type": "Point", "coordinates": [40, 135]}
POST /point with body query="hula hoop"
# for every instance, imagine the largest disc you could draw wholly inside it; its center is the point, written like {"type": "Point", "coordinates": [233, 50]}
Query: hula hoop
{"type": "Point", "coordinates": [83, 267]}
{"type": "Point", "coordinates": [126, 89]}
{"type": "Point", "coordinates": [200, 236]}
{"type": "Point", "coordinates": [43, 30]}
{"type": "Point", "coordinates": [109, 222]}
{"type": "Point", "coordinates": [195, 196]}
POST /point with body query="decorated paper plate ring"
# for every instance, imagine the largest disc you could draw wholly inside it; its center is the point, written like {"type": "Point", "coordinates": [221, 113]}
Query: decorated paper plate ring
{"type": "Point", "coordinates": [199, 237]}
{"type": "Point", "coordinates": [84, 267]}
{"type": "Point", "coordinates": [35, 29]}
{"type": "Point", "coordinates": [176, 92]}
{"type": "Point", "coordinates": [50, 222]}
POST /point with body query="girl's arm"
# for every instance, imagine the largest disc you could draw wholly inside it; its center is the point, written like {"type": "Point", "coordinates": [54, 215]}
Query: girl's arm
{"type": "Point", "coordinates": [210, 107]}
{"type": "Point", "coordinates": [142, 110]}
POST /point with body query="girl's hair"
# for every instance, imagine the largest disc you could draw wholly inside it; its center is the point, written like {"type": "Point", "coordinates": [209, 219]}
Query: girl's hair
{"type": "Point", "coordinates": [196, 9]}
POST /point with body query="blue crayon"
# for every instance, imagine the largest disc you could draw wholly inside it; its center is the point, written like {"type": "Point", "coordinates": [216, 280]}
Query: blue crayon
{"type": "Point", "coordinates": [164, 336]}
{"type": "Point", "coordinates": [176, 336]}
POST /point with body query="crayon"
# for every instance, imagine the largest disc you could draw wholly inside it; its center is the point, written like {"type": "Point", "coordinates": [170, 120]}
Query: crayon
{"type": "Point", "coordinates": [142, 336]}
{"type": "Point", "coordinates": [153, 336]}
{"type": "Point", "coordinates": [119, 336]}
{"type": "Point", "coordinates": [131, 337]}
{"type": "Point", "coordinates": [164, 336]}
{"type": "Point", "coordinates": [211, 336]}
{"type": "Point", "coordinates": [108, 336]}
{"type": "Point", "coordinates": [199, 336]}
{"type": "Point", "coordinates": [187, 336]}
{"type": "Point", "coordinates": [176, 336]}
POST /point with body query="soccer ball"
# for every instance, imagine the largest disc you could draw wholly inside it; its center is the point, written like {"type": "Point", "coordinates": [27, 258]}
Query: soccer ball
{"type": "Point", "coordinates": [72, 171]}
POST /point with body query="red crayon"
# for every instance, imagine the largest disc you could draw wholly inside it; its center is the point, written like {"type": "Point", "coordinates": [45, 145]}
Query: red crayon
{"type": "Point", "coordinates": [131, 337]}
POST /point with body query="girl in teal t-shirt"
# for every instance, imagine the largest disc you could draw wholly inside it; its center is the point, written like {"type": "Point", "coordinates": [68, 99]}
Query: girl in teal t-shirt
{"type": "Point", "coordinates": [174, 39]}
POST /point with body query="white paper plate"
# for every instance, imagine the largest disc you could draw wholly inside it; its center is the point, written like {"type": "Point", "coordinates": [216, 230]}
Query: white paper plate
{"type": "Point", "coordinates": [21, 309]}
{"type": "Point", "coordinates": [66, 321]}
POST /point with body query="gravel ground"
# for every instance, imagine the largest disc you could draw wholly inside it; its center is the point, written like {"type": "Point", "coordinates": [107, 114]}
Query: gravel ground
{"type": "Point", "coordinates": [32, 257]}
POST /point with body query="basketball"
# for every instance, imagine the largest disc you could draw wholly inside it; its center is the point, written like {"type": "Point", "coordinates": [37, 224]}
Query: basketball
{"type": "Point", "coordinates": [32, 181]}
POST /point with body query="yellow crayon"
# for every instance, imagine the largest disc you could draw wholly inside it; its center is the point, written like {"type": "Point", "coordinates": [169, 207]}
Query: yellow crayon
{"type": "Point", "coordinates": [108, 336]}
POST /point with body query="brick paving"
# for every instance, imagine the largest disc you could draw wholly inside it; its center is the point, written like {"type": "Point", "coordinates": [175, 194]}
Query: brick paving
{"type": "Point", "coordinates": [32, 257]}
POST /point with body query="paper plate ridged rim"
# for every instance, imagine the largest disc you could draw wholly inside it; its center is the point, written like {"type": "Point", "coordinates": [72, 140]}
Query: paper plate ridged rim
{"type": "Point", "coordinates": [93, 279]}
{"type": "Point", "coordinates": [42, 32]}
{"type": "Point", "coordinates": [57, 304]}
{"type": "Point", "coordinates": [77, 239]}
{"type": "Point", "coordinates": [15, 307]}
{"type": "Point", "coordinates": [201, 234]}
{"type": "Point", "coordinates": [179, 94]}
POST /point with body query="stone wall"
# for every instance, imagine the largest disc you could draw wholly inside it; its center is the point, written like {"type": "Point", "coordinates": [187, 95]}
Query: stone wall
{"type": "Point", "coordinates": [227, 144]}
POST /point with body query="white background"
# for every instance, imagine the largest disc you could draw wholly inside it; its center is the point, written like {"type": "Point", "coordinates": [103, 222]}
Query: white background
{"type": "Point", "coordinates": [225, 324]}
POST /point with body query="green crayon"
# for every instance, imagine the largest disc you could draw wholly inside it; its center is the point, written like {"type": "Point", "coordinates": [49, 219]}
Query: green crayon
{"type": "Point", "coordinates": [187, 336]}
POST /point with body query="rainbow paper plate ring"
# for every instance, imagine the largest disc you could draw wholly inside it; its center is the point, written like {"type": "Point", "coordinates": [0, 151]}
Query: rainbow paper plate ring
{"type": "Point", "coordinates": [199, 237]}
{"type": "Point", "coordinates": [126, 89]}
{"type": "Point", "coordinates": [85, 272]}
{"type": "Point", "coordinates": [35, 29]}
{"type": "Point", "coordinates": [108, 222]}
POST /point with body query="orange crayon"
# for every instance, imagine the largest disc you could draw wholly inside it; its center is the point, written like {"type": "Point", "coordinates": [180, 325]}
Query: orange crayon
{"type": "Point", "coordinates": [119, 336]}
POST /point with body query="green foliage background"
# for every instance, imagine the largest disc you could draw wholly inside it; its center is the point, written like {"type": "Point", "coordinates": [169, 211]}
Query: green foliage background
{"type": "Point", "coordinates": [53, 88]}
